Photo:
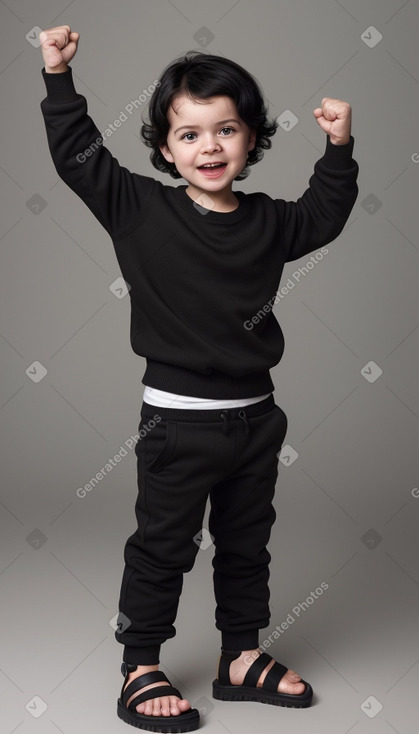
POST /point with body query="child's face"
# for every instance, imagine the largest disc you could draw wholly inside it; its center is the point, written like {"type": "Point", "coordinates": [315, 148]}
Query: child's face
{"type": "Point", "coordinates": [211, 131]}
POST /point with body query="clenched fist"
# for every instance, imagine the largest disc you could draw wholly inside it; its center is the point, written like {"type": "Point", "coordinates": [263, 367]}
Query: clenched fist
{"type": "Point", "coordinates": [58, 47]}
{"type": "Point", "coordinates": [334, 117]}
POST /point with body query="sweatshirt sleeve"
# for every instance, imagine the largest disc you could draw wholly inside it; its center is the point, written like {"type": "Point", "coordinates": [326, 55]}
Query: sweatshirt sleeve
{"type": "Point", "coordinates": [320, 214]}
{"type": "Point", "coordinates": [113, 194]}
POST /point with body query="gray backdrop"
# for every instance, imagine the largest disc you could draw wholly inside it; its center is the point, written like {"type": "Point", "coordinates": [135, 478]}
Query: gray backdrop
{"type": "Point", "coordinates": [347, 496]}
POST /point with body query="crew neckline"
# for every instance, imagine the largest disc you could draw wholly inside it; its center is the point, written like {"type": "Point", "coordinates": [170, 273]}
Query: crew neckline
{"type": "Point", "coordinates": [208, 214]}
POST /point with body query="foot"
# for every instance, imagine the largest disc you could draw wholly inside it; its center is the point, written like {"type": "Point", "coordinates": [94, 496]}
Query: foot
{"type": "Point", "coordinates": [290, 683]}
{"type": "Point", "coordinates": [161, 706]}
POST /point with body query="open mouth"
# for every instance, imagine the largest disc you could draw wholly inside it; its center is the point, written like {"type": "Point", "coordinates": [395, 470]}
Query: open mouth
{"type": "Point", "coordinates": [213, 171]}
{"type": "Point", "coordinates": [211, 166]}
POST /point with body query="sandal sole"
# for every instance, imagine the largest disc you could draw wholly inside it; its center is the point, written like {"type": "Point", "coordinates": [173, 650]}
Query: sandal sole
{"type": "Point", "coordinates": [244, 693]}
{"type": "Point", "coordinates": [187, 721]}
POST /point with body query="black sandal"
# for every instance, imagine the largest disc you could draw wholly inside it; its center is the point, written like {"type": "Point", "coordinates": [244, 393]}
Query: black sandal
{"type": "Point", "coordinates": [185, 721]}
{"type": "Point", "coordinates": [224, 690]}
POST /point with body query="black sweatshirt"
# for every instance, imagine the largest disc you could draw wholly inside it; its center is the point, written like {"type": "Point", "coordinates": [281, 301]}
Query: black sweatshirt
{"type": "Point", "coordinates": [202, 283]}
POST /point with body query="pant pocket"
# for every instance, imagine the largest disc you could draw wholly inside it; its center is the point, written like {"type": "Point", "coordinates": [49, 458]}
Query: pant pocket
{"type": "Point", "coordinates": [158, 446]}
{"type": "Point", "coordinates": [283, 425]}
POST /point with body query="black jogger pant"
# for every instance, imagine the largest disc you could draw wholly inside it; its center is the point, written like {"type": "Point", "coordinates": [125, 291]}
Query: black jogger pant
{"type": "Point", "coordinates": [185, 456]}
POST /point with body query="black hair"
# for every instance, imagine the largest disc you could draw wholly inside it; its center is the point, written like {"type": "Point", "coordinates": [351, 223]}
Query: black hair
{"type": "Point", "coordinates": [200, 75]}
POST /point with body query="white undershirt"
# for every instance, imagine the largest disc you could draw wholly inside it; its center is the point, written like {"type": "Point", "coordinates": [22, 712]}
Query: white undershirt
{"type": "Point", "coordinates": [170, 400]}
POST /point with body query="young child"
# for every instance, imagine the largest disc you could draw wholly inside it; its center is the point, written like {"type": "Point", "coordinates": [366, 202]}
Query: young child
{"type": "Point", "coordinates": [203, 264]}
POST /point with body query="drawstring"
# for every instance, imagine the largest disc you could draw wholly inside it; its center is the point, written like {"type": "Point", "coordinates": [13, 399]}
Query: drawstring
{"type": "Point", "coordinates": [243, 416]}
{"type": "Point", "coordinates": [225, 415]}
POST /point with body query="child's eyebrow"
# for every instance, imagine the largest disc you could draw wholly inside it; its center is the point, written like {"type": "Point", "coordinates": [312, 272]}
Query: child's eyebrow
{"type": "Point", "coordinates": [220, 122]}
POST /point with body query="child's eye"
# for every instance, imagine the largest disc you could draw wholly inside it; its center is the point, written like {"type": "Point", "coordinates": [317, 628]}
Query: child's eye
{"type": "Point", "coordinates": [223, 128]}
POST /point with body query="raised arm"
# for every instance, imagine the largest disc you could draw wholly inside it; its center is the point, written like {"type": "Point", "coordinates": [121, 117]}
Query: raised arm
{"type": "Point", "coordinates": [113, 194]}
{"type": "Point", "coordinates": [320, 214]}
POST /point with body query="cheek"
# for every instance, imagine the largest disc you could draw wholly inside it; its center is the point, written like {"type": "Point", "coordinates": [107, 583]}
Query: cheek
{"type": "Point", "coordinates": [238, 150]}
{"type": "Point", "coordinates": [187, 156]}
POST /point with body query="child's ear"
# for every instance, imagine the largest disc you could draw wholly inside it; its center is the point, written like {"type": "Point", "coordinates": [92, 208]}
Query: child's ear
{"type": "Point", "coordinates": [165, 151]}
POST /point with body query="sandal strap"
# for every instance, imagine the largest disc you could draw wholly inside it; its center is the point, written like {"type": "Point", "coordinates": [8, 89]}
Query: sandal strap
{"type": "Point", "coordinates": [224, 666]}
{"type": "Point", "coordinates": [155, 676]}
{"type": "Point", "coordinates": [253, 674]}
{"type": "Point", "coordinates": [273, 676]}
{"type": "Point", "coordinates": [153, 693]}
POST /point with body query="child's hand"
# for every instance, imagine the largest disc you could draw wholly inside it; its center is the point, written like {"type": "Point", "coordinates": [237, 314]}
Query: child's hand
{"type": "Point", "coordinates": [58, 47]}
{"type": "Point", "coordinates": [334, 117]}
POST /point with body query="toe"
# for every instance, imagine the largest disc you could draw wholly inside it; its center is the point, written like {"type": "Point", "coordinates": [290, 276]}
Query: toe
{"type": "Point", "coordinates": [298, 688]}
{"type": "Point", "coordinates": [157, 705]}
{"type": "Point", "coordinates": [148, 708]}
{"type": "Point", "coordinates": [184, 704]}
{"type": "Point", "coordinates": [174, 708]}
{"type": "Point", "coordinates": [293, 676]}
{"type": "Point", "coordinates": [289, 686]}
{"type": "Point", "coordinates": [174, 705]}
{"type": "Point", "coordinates": [165, 706]}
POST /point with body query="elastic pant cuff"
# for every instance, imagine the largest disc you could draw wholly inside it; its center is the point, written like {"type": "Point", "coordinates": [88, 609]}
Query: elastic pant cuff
{"type": "Point", "coordinates": [247, 640]}
{"type": "Point", "coordinates": [142, 655]}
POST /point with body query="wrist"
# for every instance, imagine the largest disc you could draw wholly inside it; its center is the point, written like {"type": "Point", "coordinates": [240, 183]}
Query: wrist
{"type": "Point", "coordinates": [56, 69]}
{"type": "Point", "coordinates": [339, 141]}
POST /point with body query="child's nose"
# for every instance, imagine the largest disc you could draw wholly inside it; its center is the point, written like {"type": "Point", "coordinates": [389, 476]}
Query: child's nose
{"type": "Point", "coordinates": [210, 143]}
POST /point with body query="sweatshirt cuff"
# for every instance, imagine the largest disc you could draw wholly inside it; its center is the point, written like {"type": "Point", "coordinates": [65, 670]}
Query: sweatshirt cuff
{"type": "Point", "coordinates": [339, 157]}
{"type": "Point", "coordinates": [60, 87]}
